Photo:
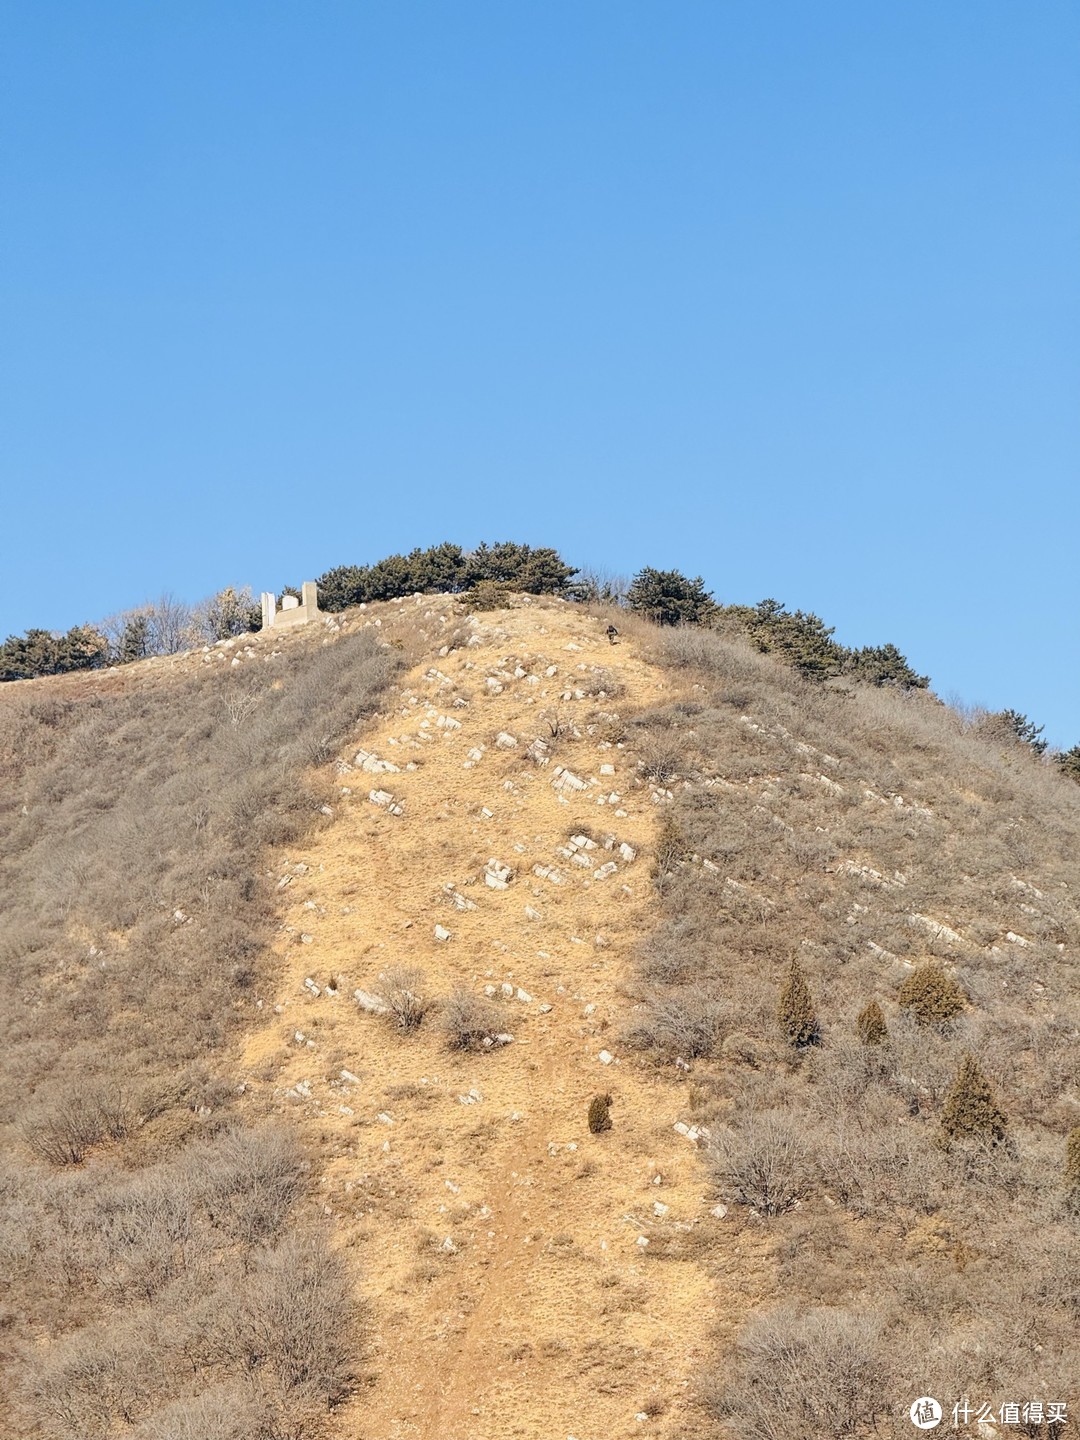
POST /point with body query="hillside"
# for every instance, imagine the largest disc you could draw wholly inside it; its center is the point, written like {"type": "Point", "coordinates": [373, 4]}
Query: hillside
{"type": "Point", "coordinates": [265, 905]}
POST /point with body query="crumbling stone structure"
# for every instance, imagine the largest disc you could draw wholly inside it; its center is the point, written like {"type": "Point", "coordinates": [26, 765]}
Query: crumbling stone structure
{"type": "Point", "coordinates": [293, 611]}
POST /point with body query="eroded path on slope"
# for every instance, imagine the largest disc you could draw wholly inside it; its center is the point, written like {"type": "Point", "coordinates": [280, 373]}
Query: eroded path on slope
{"type": "Point", "coordinates": [525, 1277]}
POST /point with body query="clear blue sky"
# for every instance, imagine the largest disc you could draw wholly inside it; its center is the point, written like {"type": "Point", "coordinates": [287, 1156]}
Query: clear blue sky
{"type": "Point", "coordinates": [777, 292]}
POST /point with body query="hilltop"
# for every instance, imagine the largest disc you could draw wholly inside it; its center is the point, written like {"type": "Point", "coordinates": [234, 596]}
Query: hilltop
{"type": "Point", "coordinates": [318, 947]}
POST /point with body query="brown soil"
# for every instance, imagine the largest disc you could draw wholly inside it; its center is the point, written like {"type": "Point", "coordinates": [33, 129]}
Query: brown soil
{"type": "Point", "coordinates": [498, 1244]}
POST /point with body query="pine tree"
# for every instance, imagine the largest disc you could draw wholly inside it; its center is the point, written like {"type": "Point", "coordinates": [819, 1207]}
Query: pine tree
{"type": "Point", "coordinates": [796, 1010]}
{"type": "Point", "coordinates": [871, 1026]}
{"type": "Point", "coordinates": [668, 597]}
{"type": "Point", "coordinates": [1023, 730]}
{"type": "Point", "coordinates": [970, 1110]}
{"type": "Point", "coordinates": [134, 642]}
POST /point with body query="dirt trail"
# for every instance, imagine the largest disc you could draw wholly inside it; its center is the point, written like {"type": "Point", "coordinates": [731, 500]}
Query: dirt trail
{"type": "Point", "coordinates": [499, 1243]}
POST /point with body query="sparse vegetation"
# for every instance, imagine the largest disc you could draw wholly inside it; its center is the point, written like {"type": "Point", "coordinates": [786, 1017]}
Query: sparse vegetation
{"type": "Point", "coordinates": [927, 829]}
{"type": "Point", "coordinates": [764, 1163]}
{"type": "Point", "coordinates": [401, 989]}
{"type": "Point", "coordinates": [158, 1239]}
{"type": "Point", "coordinates": [156, 1236]}
{"type": "Point", "coordinates": [470, 1022]}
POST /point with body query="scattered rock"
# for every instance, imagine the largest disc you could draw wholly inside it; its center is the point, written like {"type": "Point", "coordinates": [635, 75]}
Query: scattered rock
{"type": "Point", "coordinates": [372, 764]}
{"type": "Point", "coordinates": [564, 779]}
{"type": "Point", "coordinates": [497, 876]}
{"type": "Point", "coordinates": [369, 1002]}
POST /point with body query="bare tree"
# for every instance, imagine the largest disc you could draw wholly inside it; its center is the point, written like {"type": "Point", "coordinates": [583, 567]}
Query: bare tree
{"type": "Point", "coordinates": [170, 624]}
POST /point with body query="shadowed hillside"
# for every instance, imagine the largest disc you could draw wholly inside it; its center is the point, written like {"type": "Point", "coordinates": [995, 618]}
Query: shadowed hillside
{"type": "Point", "coordinates": [320, 964]}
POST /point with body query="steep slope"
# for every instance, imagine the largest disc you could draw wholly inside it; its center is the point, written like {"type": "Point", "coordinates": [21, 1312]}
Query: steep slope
{"type": "Point", "coordinates": [525, 1277]}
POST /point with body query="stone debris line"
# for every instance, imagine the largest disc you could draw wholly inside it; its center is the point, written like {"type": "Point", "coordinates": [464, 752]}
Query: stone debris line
{"type": "Point", "coordinates": [471, 850]}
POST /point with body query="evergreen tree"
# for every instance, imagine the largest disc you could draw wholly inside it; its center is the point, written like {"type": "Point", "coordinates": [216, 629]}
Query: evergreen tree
{"type": "Point", "coordinates": [41, 652]}
{"type": "Point", "coordinates": [799, 638]}
{"type": "Point", "coordinates": [391, 578]}
{"type": "Point", "coordinates": [439, 570]}
{"type": "Point", "coordinates": [871, 1026]}
{"type": "Point", "coordinates": [1069, 763]}
{"type": "Point", "coordinates": [933, 997]}
{"type": "Point", "coordinates": [343, 586]}
{"type": "Point", "coordinates": [970, 1110]}
{"type": "Point", "coordinates": [536, 572]}
{"type": "Point", "coordinates": [600, 1114]}
{"type": "Point", "coordinates": [795, 1010]}
{"type": "Point", "coordinates": [1072, 1170]}
{"type": "Point", "coordinates": [135, 638]}
{"type": "Point", "coordinates": [1023, 730]}
{"type": "Point", "coordinates": [883, 665]}
{"type": "Point", "coordinates": [668, 597]}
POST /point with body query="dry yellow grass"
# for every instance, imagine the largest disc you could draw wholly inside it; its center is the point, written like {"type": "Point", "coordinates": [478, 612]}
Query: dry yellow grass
{"type": "Point", "coordinates": [495, 1239]}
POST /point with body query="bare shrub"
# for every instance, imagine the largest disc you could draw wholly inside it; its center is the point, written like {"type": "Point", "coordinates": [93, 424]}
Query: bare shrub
{"type": "Point", "coordinates": [87, 1386]}
{"type": "Point", "coordinates": [226, 1412]}
{"type": "Point", "coordinates": [401, 990]}
{"type": "Point", "coordinates": [470, 1022]}
{"type": "Point", "coordinates": [764, 1163]}
{"type": "Point", "coordinates": [62, 1131]}
{"type": "Point", "coordinates": [660, 756]}
{"type": "Point", "coordinates": [818, 1374]}
{"type": "Point", "coordinates": [250, 1179]}
{"type": "Point", "coordinates": [299, 1323]}
{"type": "Point", "coordinates": [602, 684]}
{"type": "Point", "coordinates": [687, 1023]}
